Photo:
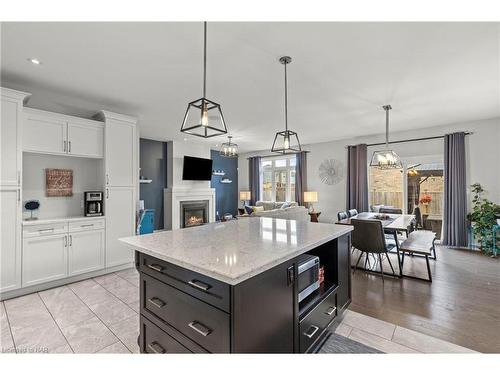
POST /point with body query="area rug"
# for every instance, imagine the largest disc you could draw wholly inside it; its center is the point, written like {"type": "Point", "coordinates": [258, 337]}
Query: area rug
{"type": "Point", "coordinates": [343, 345]}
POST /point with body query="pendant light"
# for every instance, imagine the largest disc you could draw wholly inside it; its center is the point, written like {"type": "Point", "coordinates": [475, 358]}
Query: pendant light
{"type": "Point", "coordinates": [286, 142]}
{"type": "Point", "coordinates": [229, 149]}
{"type": "Point", "coordinates": [386, 159]}
{"type": "Point", "coordinates": [204, 117]}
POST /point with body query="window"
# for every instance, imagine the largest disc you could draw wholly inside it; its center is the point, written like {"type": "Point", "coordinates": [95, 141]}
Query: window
{"type": "Point", "coordinates": [278, 179]}
{"type": "Point", "coordinates": [417, 184]}
{"type": "Point", "coordinates": [386, 187]}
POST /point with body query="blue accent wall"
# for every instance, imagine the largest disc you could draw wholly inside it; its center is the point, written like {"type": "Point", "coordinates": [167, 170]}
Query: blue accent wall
{"type": "Point", "coordinates": [226, 195]}
{"type": "Point", "coordinates": [153, 163]}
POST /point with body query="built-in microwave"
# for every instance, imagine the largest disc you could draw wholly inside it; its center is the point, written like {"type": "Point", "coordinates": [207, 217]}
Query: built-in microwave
{"type": "Point", "coordinates": [308, 275]}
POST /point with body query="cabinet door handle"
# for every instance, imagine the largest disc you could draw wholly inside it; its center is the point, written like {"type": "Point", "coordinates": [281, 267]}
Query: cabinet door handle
{"type": "Point", "coordinates": [65, 241]}
{"type": "Point", "coordinates": [46, 230]}
{"type": "Point", "coordinates": [107, 193]}
{"type": "Point", "coordinates": [156, 302]}
{"type": "Point", "coordinates": [86, 225]}
{"type": "Point", "coordinates": [19, 177]}
{"type": "Point", "coordinates": [69, 146]}
{"type": "Point", "coordinates": [155, 267]}
{"type": "Point", "coordinates": [156, 348]}
{"type": "Point", "coordinates": [200, 328]}
{"type": "Point", "coordinates": [199, 285]}
{"type": "Point", "coordinates": [330, 310]}
{"type": "Point", "coordinates": [64, 146]}
{"type": "Point", "coordinates": [107, 179]}
{"type": "Point", "coordinates": [312, 330]}
{"type": "Point", "coordinates": [70, 240]}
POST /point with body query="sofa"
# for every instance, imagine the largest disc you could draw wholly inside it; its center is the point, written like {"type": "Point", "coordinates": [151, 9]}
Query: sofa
{"type": "Point", "coordinates": [273, 209]}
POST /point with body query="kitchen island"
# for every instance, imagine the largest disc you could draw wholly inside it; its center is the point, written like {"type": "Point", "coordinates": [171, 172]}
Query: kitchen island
{"type": "Point", "coordinates": [232, 287]}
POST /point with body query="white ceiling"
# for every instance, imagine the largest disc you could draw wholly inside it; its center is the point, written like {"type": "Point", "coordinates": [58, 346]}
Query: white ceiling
{"type": "Point", "coordinates": [341, 74]}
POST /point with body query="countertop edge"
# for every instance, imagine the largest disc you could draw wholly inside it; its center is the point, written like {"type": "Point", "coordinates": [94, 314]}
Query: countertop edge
{"type": "Point", "coordinates": [27, 223]}
{"type": "Point", "coordinates": [342, 230]}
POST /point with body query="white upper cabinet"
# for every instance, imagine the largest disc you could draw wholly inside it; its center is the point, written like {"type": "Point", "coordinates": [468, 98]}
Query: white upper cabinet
{"type": "Point", "coordinates": [121, 153]}
{"type": "Point", "coordinates": [86, 139]}
{"type": "Point", "coordinates": [11, 137]}
{"type": "Point", "coordinates": [53, 133]}
{"type": "Point", "coordinates": [44, 132]}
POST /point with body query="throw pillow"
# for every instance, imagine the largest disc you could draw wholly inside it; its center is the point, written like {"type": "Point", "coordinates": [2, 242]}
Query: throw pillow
{"type": "Point", "coordinates": [249, 209]}
{"type": "Point", "coordinates": [286, 205]}
{"type": "Point", "coordinates": [258, 208]}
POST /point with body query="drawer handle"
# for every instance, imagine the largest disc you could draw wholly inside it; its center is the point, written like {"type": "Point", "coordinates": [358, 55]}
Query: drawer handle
{"type": "Point", "coordinates": [330, 310]}
{"type": "Point", "coordinates": [86, 225]}
{"type": "Point", "coordinates": [156, 348]}
{"type": "Point", "coordinates": [313, 331]}
{"type": "Point", "coordinates": [46, 230]}
{"type": "Point", "coordinates": [199, 285]}
{"type": "Point", "coordinates": [155, 267]}
{"type": "Point", "coordinates": [200, 328]}
{"type": "Point", "coordinates": [155, 301]}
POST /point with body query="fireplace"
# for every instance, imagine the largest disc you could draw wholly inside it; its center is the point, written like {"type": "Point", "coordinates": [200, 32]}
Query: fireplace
{"type": "Point", "coordinates": [193, 213]}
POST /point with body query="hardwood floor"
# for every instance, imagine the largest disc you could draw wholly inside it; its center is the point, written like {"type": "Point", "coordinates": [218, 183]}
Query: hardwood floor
{"type": "Point", "coordinates": [461, 305]}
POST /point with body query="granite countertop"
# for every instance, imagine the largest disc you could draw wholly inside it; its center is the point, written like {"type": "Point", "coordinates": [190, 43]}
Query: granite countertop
{"type": "Point", "coordinates": [59, 219]}
{"type": "Point", "coordinates": [236, 250]}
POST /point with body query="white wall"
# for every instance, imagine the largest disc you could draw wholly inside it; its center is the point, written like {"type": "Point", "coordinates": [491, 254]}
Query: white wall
{"type": "Point", "coordinates": [176, 151]}
{"type": "Point", "coordinates": [87, 175]}
{"type": "Point", "coordinates": [482, 149]}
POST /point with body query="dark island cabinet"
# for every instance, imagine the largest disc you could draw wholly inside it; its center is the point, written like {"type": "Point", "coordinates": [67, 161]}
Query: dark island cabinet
{"type": "Point", "coordinates": [182, 311]}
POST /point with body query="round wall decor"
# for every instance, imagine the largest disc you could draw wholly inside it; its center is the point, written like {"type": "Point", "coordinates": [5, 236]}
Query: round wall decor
{"type": "Point", "coordinates": [331, 171]}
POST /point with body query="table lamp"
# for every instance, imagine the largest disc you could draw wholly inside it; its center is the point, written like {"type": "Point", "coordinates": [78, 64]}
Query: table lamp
{"type": "Point", "coordinates": [245, 196]}
{"type": "Point", "coordinates": [310, 197]}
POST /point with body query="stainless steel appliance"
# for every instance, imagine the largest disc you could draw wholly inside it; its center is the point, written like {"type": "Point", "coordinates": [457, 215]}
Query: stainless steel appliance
{"type": "Point", "coordinates": [308, 275]}
{"type": "Point", "coordinates": [93, 203]}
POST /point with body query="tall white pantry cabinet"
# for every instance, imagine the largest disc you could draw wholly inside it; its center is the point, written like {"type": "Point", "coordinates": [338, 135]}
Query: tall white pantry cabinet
{"type": "Point", "coordinates": [34, 255]}
{"type": "Point", "coordinates": [10, 188]}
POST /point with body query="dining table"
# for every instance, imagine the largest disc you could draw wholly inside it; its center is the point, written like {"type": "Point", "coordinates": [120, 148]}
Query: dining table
{"type": "Point", "coordinates": [392, 223]}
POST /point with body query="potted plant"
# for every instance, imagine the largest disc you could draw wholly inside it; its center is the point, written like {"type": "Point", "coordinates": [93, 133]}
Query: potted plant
{"type": "Point", "coordinates": [483, 216]}
{"type": "Point", "coordinates": [425, 200]}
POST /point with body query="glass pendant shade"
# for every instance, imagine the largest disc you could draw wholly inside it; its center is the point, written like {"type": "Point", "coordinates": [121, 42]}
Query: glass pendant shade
{"type": "Point", "coordinates": [229, 149]}
{"type": "Point", "coordinates": [287, 141]}
{"type": "Point", "coordinates": [386, 159]}
{"type": "Point", "coordinates": [204, 117]}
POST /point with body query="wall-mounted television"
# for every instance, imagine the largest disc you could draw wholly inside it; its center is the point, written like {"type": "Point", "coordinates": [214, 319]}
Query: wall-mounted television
{"type": "Point", "coordinates": [197, 169]}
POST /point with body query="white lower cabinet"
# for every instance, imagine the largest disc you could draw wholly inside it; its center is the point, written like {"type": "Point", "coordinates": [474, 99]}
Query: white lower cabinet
{"type": "Point", "coordinates": [45, 258]}
{"type": "Point", "coordinates": [120, 222]}
{"type": "Point", "coordinates": [86, 251]}
{"type": "Point", "coordinates": [10, 240]}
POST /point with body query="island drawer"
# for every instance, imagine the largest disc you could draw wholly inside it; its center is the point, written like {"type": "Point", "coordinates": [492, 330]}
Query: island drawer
{"type": "Point", "coordinates": [202, 323]}
{"type": "Point", "coordinates": [313, 324]}
{"type": "Point", "coordinates": [202, 287]}
{"type": "Point", "coordinates": [155, 340]}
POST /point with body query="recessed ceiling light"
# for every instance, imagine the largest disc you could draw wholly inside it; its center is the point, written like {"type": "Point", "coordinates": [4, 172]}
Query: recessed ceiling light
{"type": "Point", "coordinates": [34, 61]}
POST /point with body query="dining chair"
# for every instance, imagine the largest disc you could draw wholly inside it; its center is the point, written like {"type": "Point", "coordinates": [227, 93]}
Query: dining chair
{"type": "Point", "coordinates": [352, 212]}
{"type": "Point", "coordinates": [342, 215]}
{"type": "Point", "coordinates": [390, 210]}
{"type": "Point", "coordinates": [368, 237]}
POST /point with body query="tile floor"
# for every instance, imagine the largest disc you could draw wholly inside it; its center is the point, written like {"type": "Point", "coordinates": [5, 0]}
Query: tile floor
{"type": "Point", "coordinates": [100, 315]}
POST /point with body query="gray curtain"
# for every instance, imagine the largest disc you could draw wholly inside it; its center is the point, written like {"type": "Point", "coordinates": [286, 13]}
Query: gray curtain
{"type": "Point", "coordinates": [357, 178]}
{"type": "Point", "coordinates": [300, 177]}
{"type": "Point", "coordinates": [254, 178]}
{"type": "Point", "coordinates": [455, 191]}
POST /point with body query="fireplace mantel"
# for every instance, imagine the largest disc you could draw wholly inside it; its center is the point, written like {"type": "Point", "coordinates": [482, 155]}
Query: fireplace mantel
{"type": "Point", "coordinates": [175, 195]}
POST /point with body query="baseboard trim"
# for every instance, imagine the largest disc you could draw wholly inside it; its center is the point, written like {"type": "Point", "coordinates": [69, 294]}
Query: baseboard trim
{"type": "Point", "coordinates": [67, 280]}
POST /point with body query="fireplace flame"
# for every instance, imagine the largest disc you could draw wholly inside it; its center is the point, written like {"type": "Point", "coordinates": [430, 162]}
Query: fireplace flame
{"type": "Point", "coordinates": [194, 220]}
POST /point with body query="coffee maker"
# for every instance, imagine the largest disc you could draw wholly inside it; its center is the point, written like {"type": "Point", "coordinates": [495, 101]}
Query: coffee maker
{"type": "Point", "coordinates": [93, 203]}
